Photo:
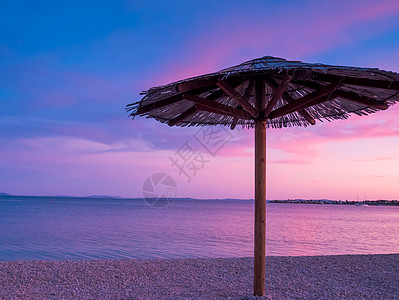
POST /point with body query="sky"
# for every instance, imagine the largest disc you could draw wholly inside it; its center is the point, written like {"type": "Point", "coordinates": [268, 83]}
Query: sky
{"type": "Point", "coordinates": [68, 69]}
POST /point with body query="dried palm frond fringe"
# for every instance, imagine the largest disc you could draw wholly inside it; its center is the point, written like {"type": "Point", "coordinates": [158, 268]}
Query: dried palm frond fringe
{"type": "Point", "coordinates": [309, 92]}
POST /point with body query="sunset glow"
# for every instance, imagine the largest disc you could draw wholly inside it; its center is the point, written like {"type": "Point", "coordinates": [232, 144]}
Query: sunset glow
{"type": "Point", "coordinates": [64, 84]}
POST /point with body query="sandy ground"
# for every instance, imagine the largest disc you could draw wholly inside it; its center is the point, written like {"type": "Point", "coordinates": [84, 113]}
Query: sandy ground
{"type": "Point", "coordinates": [317, 277]}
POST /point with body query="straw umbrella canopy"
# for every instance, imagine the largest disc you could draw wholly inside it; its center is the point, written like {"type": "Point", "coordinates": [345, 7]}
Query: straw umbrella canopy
{"type": "Point", "coordinates": [269, 92]}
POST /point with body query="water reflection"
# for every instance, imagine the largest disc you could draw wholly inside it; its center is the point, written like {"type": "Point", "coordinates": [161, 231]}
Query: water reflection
{"type": "Point", "coordinates": [99, 229]}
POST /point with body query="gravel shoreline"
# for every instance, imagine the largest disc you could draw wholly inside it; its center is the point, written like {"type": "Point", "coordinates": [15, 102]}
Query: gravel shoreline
{"type": "Point", "coordinates": [304, 277]}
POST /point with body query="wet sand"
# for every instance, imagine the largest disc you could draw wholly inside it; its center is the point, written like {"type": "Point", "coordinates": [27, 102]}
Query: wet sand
{"type": "Point", "coordinates": [305, 277]}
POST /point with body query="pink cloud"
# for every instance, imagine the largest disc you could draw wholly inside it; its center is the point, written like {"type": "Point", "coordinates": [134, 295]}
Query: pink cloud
{"type": "Point", "coordinates": [382, 158]}
{"type": "Point", "coordinates": [302, 145]}
{"type": "Point", "coordinates": [298, 140]}
{"type": "Point", "coordinates": [291, 161]}
{"type": "Point", "coordinates": [75, 166]}
{"type": "Point", "coordinates": [331, 24]}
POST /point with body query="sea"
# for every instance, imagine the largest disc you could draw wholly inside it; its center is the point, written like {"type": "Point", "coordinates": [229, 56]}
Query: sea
{"type": "Point", "coordinates": [65, 228]}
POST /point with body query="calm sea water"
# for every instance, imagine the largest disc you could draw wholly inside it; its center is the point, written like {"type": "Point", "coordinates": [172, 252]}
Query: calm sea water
{"type": "Point", "coordinates": [86, 228]}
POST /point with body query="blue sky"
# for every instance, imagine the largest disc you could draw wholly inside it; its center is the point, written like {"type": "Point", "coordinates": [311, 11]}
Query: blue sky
{"type": "Point", "coordinates": [68, 68]}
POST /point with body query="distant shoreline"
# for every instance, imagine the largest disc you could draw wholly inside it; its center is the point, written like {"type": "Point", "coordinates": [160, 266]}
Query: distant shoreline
{"type": "Point", "coordinates": [290, 201]}
{"type": "Point", "coordinates": [340, 202]}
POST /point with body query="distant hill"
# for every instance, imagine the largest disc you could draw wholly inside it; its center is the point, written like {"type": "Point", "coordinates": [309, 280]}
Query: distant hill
{"type": "Point", "coordinates": [119, 197]}
{"type": "Point", "coordinates": [103, 196]}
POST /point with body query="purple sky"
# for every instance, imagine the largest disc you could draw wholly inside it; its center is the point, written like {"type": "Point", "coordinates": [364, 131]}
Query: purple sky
{"type": "Point", "coordinates": [68, 68]}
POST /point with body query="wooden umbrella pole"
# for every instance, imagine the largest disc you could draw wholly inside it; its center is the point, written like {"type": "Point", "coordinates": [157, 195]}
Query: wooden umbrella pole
{"type": "Point", "coordinates": [260, 208]}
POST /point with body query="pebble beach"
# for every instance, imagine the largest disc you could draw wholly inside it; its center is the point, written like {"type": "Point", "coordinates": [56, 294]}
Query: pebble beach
{"type": "Point", "coordinates": [304, 277]}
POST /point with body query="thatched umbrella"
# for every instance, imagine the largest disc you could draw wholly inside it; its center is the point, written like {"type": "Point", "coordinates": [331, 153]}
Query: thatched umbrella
{"type": "Point", "coordinates": [269, 92]}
